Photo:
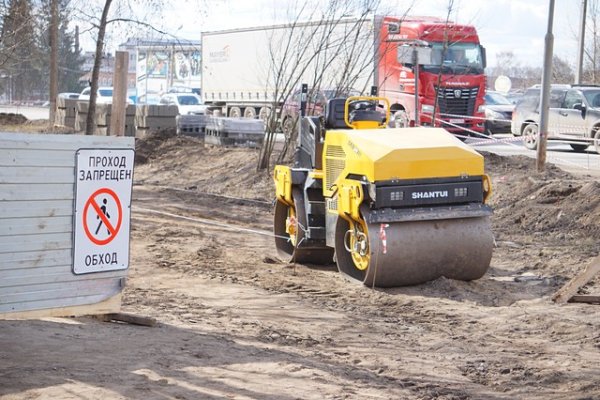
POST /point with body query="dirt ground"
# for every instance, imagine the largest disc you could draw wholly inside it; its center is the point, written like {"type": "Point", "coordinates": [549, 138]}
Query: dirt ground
{"type": "Point", "coordinates": [237, 323]}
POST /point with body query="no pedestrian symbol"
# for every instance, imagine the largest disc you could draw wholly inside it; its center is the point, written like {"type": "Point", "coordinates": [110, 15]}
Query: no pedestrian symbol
{"type": "Point", "coordinates": [102, 216]}
{"type": "Point", "coordinates": [102, 210]}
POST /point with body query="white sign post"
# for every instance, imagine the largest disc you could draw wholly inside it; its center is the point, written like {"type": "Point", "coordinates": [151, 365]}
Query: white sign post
{"type": "Point", "coordinates": [102, 210]}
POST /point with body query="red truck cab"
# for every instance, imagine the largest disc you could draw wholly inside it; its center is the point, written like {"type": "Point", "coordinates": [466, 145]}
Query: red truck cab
{"type": "Point", "coordinates": [451, 81]}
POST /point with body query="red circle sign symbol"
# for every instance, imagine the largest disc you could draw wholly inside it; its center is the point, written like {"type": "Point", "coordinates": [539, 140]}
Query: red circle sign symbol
{"type": "Point", "coordinates": [113, 230]}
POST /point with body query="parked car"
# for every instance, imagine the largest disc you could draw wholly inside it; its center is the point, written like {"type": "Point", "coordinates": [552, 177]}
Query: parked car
{"type": "Point", "coordinates": [132, 95]}
{"type": "Point", "coordinates": [149, 98]}
{"type": "Point", "coordinates": [574, 116]}
{"type": "Point", "coordinates": [68, 95]}
{"type": "Point", "coordinates": [514, 97]}
{"type": "Point", "coordinates": [526, 114]}
{"type": "Point", "coordinates": [187, 103]}
{"type": "Point", "coordinates": [315, 105]}
{"type": "Point", "coordinates": [498, 113]}
{"type": "Point", "coordinates": [104, 96]}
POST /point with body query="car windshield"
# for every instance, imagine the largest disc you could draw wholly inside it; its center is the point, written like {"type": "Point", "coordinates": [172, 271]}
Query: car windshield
{"type": "Point", "coordinates": [592, 97]}
{"type": "Point", "coordinates": [188, 100]}
{"type": "Point", "coordinates": [496, 99]}
{"type": "Point", "coordinates": [457, 58]}
{"type": "Point", "coordinates": [105, 92]}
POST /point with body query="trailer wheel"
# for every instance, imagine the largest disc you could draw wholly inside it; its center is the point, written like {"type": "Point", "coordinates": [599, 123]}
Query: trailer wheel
{"type": "Point", "coordinates": [400, 119]}
{"type": "Point", "coordinates": [264, 113]}
{"type": "Point", "coordinates": [596, 136]}
{"type": "Point", "coordinates": [235, 112]}
{"type": "Point", "coordinates": [288, 126]}
{"type": "Point", "coordinates": [250, 112]}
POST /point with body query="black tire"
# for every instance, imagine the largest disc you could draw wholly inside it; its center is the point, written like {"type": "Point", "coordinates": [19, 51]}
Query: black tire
{"type": "Point", "coordinates": [579, 148]}
{"type": "Point", "coordinates": [264, 114]}
{"type": "Point", "coordinates": [297, 253]}
{"type": "Point", "coordinates": [530, 136]}
{"type": "Point", "coordinates": [250, 112]}
{"type": "Point", "coordinates": [487, 130]}
{"type": "Point", "coordinates": [343, 258]}
{"type": "Point", "coordinates": [596, 138]}
{"type": "Point", "coordinates": [235, 112]}
{"type": "Point", "coordinates": [287, 127]}
{"type": "Point", "coordinates": [399, 119]}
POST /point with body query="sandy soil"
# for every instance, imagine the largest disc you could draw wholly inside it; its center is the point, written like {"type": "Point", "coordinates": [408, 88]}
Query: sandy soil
{"type": "Point", "coordinates": [237, 323]}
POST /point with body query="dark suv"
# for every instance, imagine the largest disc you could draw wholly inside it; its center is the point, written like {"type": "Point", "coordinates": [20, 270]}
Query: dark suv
{"type": "Point", "coordinates": [574, 116]}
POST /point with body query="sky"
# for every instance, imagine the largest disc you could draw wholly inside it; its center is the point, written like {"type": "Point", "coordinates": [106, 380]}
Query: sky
{"type": "Point", "coordinates": [503, 25]}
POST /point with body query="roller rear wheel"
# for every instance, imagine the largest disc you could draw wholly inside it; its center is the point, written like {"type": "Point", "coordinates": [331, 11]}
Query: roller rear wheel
{"type": "Point", "coordinates": [290, 238]}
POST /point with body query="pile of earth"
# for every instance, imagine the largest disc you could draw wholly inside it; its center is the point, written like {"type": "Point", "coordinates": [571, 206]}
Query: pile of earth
{"type": "Point", "coordinates": [186, 162]}
{"type": "Point", "coordinates": [554, 205]}
{"type": "Point", "coordinates": [12, 119]}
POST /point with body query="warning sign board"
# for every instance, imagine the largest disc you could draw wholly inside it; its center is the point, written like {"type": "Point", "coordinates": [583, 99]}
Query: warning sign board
{"type": "Point", "coordinates": [102, 210]}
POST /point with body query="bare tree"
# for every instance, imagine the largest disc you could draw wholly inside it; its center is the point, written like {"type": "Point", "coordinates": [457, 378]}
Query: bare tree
{"type": "Point", "coordinates": [449, 10]}
{"type": "Point", "coordinates": [333, 51]}
{"type": "Point", "coordinates": [562, 71]}
{"type": "Point", "coordinates": [592, 48]}
{"type": "Point", "coordinates": [505, 64]}
{"type": "Point", "coordinates": [91, 115]}
{"type": "Point", "coordinates": [126, 13]}
{"type": "Point", "coordinates": [20, 53]}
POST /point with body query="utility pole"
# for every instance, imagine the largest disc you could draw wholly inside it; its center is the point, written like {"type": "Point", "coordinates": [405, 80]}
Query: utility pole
{"type": "Point", "coordinates": [416, 67]}
{"type": "Point", "coordinates": [53, 62]}
{"type": "Point", "coordinates": [545, 99]}
{"type": "Point", "coordinates": [119, 102]}
{"type": "Point", "coordinates": [579, 69]}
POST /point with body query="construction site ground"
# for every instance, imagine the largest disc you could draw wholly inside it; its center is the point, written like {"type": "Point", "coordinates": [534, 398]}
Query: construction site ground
{"type": "Point", "coordinates": [235, 322]}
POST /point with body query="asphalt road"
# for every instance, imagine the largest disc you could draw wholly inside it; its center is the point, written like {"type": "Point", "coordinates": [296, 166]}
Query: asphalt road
{"type": "Point", "coordinates": [30, 113]}
{"type": "Point", "coordinates": [558, 153]}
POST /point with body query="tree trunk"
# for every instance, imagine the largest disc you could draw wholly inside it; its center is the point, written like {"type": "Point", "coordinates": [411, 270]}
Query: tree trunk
{"type": "Point", "coordinates": [91, 117]}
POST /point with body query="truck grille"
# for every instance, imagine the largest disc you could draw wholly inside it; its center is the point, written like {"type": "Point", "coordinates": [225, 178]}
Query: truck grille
{"type": "Point", "coordinates": [456, 101]}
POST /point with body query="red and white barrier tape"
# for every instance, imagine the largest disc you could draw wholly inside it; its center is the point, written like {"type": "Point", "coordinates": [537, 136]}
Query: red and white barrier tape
{"type": "Point", "coordinates": [383, 237]}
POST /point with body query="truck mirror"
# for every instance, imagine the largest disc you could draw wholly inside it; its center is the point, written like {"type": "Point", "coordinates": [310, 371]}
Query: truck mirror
{"type": "Point", "coordinates": [581, 107]}
{"type": "Point", "coordinates": [483, 56]}
{"type": "Point", "coordinates": [404, 55]}
{"type": "Point", "coordinates": [424, 54]}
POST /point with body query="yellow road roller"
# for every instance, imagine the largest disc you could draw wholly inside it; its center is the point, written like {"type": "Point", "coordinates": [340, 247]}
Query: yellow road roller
{"type": "Point", "coordinates": [392, 207]}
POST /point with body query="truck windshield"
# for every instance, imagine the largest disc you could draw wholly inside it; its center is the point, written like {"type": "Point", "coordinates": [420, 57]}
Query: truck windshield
{"type": "Point", "coordinates": [457, 58]}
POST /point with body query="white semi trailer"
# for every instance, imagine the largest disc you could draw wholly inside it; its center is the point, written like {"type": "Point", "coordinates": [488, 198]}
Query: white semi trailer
{"type": "Point", "coordinates": [248, 72]}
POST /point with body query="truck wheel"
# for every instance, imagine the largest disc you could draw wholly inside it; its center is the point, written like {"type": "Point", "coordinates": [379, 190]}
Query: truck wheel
{"type": "Point", "coordinates": [235, 112]}
{"type": "Point", "coordinates": [597, 139]}
{"type": "Point", "coordinates": [579, 147]}
{"type": "Point", "coordinates": [250, 112]}
{"type": "Point", "coordinates": [530, 136]}
{"type": "Point", "coordinates": [264, 113]}
{"type": "Point", "coordinates": [288, 127]}
{"type": "Point", "coordinates": [399, 120]}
